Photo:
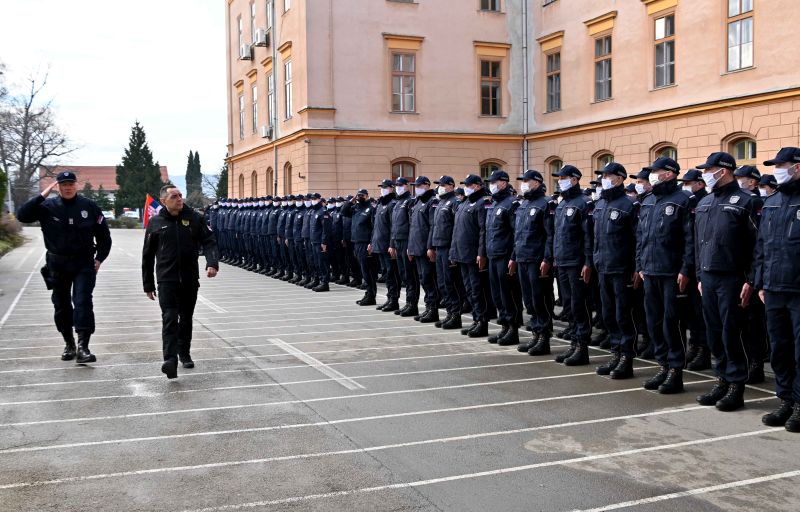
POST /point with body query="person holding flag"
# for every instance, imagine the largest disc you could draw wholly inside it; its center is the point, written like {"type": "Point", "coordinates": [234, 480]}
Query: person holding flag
{"type": "Point", "coordinates": [170, 243]}
{"type": "Point", "coordinates": [151, 209]}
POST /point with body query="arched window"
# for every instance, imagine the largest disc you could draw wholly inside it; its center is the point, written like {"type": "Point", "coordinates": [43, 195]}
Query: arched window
{"type": "Point", "coordinates": [743, 150]}
{"type": "Point", "coordinates": [553, 164]}
{"type": "Point", "coordinates": [287, 178]}
{"type": "Point", "coordinates": [489, 166]}
{"type": "Point", "coordinates": [602, 159]}
{"type": "Point", "coordinates": [254, 184]}
{"type": "Point", "coordinates": [404, 169]}
{"type": "Point", "coordinates": [241, 185]}
{"type": "Point", "coordinates": [666, 150]}
{"type": "Point", "coordinates": [270, 178]}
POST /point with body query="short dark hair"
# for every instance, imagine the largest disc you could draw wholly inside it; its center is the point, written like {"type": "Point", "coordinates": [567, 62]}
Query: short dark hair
{"type": "Point", "coordinates": [163, 192]}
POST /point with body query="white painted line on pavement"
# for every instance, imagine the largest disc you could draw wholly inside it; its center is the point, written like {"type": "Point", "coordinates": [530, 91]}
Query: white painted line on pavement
{"type": "Point", "coordinates": [25, 258]}
{"type": "Point", "coordinates": [441, 440]}
{"type": "Point", "coordinates": [317, 364]}
{"type": "Point", "coordinates": [19, 294]}
{"type": "Point", "coordinates": [481, 474]}
{"type": "Point", "coordinates": [696, 492]}
{"type": "Point", "coordinates": [333, 398]}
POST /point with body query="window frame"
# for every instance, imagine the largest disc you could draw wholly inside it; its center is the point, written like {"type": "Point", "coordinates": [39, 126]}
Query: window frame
{"type": "Point", "coordinates": [664, 42]}
{"type": "Point", "coordinates": [492, 81]}
{"type": "Point", "coordinates": [555, 75]}
{"type": "Point", "coordinates": [253, 24]}
{"type": "Point", "coordinates": [241, 185]}
{"type": "Point", "coordinates": [600, 159]}
{"type": "Point", "coordinates": [740, 20]}
{"type": "Point", "coordinates": [487, 167]}
{"type": "Point", "coordinates": [254, 106]}
{"type": "Point", "coordinates": [403, 75]}
{"type": "Point", "coordinates": [498, 5]}
{"type": "Point", "coordinates": [404, 163]}
{"type": "Point", "coordinates": [271, 98]}
{"type": "Point", "coordinates": [241, 115]}
{"type": "Point", "coordinates": [240, 25]}
{"type": "Point", "coordinates": [287, 4]}
{"type": "Point", "coordinates": [254, 184]}
{"type": "Point", "coordinates": [554, 164]}
{"type": "Point", "coordinates": [605, 57]}
{"type": "Point", "coordinates": [287, 178]}
{"type": "Point", "coordinates": [269, 7]}
{"type": "Point", "coordinates": [287, 89]}
{"type": "Point", "coordinates": [747, 140]}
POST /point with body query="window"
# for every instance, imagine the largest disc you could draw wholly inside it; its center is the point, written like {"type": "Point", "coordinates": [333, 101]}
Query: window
{"type": "Point", "coordinates": [487, 168]}
{"type": "Point", "coordinates": [287, 4]}
{"type": "Point", "coordinates": [241, 116]}
{"type": "Point", "coordinates": [287, 178]}
{"type": "Point", "coordinates": [740, 34]}
{"type": "Point", "coordinates": [270, 98]}
{"type": "Point", "coordinates": [255, 109]}
{"type": "Point", "coordinates": [744, 151]}
{"type": "Point", "coordinates": [254, 184]}
{"type": "Point", "coordinates": [490, 88]}
{"type": "Point", "coordinates": [665, 51]}
{"type": "Point", "coordinates": [269, 177]}
{"type": "Point", "coordinates": [270, 5]}
{"type": "Point", "coordinates": [603, 159]}
{"type": "Point", "coordinates": [403, 82]}
{"type": "Point", "coordinates": [548, 2]}
{"type": "Point", "coordinates": [241, 32]}
{"type": "Point", "coordinates": [602, 68]}
{"type": "Point", "coordinates": [553, 166]}
{"type": "Point", "coordinates": [554, 82]}
{"type": "Point", "coordinates": [490, 5]}
{"type": "Point", "coordinates": [667, 151]}
{"type": "Point", "coordinates": [404, 170]}
{"type": "Point", "coordinates": [287, 76]}
{"type": "Point", "coordinates": [241, 185]}
{"type": "Point", "coordinates": [253, 22]}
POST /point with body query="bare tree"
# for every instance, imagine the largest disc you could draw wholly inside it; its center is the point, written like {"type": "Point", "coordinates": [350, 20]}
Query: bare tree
{"type": "Point", "coordinates": [29, 139]}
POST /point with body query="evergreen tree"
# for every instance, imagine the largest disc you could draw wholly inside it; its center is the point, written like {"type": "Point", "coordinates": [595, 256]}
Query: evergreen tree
{"type": "Point", "coordinates": [137, 175]}
{"type": "Point", "coordinates": [222, 184]}
{"type": "Point", "coordinates": [194, 181]}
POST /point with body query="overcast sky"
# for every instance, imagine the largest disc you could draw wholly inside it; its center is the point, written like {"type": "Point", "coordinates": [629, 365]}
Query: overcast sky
{"type": "Point", "coordinates": [113, 62]}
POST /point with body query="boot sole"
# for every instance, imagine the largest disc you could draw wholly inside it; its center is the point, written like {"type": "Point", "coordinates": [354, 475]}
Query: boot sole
{"type": "Point", "coordinates": [171, 373]}
{"type": "Point", "coordinates": [90, 359]}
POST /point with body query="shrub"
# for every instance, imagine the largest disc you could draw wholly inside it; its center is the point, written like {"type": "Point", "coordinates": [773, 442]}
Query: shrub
{"type": "Point", "coordinates": [124, 223]}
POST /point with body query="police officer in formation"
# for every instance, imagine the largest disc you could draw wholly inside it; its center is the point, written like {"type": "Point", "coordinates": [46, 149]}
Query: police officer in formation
{"type": "Point", "coordinates": [710, 253]}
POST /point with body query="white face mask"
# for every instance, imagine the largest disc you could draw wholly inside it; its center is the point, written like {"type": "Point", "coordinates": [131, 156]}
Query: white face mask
{"type": "Point", "coordinates": [307, 203]}
{"type": "Point", "coordinates": [339, 205]}
{"type": "Point", "coordinates": [261, 203]}
{"type": "Point", "coordinates": [385, 191]}
{"type": "Point", "coordinates": [782, 175]}
{"type": "Point", "coordinates": [564, 184]}
{"type": "Point", "coordinates": [441, 191]}
{"type": "Point", "coordinates": [298, 203]}
{"type": "Point", "coordinates": [595, 196]}
{"type": "Point", "coordinates": [525, 187]}
{"type": "Point", "coordinates": [639, 188]}
{"type": "Point", "coordinates": [419, 191]}
{"type": "Point", "coordinates": [763, 192]}
{"type": "Point", "coordinates": [468, 191]}
{"type": "Point", "coordinates": [401, 190]}
{"type": "Point", "coordinates": [654, 179]}
{"type": "Point", "coordinates": [687, 189]}
{"type": "Point", "coordinates": [493, 188]}
{"type": "Point", "coordinates": [710, 179]}
{"type": "Point", "coordinates": [607, 184]}
{"type": "Point", "coordinates": [315, 202]}
{"type": "Point", "coordinates": [742, 184]}
{"type": "Point", "coordinates": [331, 206]}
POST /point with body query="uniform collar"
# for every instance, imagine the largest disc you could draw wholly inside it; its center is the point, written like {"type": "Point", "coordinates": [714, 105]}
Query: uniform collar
{"type": "Point", "coordinates": [728, 189]}
{"type": "Point", "coordinates": [613, 193]}
{"type": "Point", "coordinates": [534, 194]}
{"type": "Point", "coordinates": [475, 196]}
{"type": "Point", "coordinates": [665, 187]}
{"type": "Point", "coordinates": [501, 194]}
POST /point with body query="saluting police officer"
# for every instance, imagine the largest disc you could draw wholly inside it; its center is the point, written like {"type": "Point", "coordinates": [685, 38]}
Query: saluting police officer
{"type": "Point", "coordinates": [614, 254]}
{"type": "Point", "coordinates": [778, 284]}
{"type": "Point", "coordinates": [419, 241]}
{"type": "Point", "coordinates": [171, 242]}
{"type": "Point", "coordinates": [362, 214]}
{"type": "Point", "coordinates": [664, 261]}
{"type": "Point", "coordinates": [77, 240]}
{"type": "Point", "coordinates": [441, 239]}
{"type": "Point", "coordinates": [725, 236]}
{"type": "Point", "coordinates": [533, 256]}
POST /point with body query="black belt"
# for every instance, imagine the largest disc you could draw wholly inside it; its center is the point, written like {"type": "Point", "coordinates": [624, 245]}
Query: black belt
{"type": "Point", "coordinates": [70, 256]}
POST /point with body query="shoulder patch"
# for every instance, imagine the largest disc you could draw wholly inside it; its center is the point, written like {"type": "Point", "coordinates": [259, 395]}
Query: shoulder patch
{"type": "Point", "coordinates": [669, 210]}
{"type": "Point", "coordinates": [735, 199]}
{"type": "Point", "coordinates": [570, 211]}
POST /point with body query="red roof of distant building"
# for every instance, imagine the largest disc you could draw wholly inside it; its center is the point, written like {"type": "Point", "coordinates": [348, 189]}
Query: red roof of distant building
{"type": "Point", "coordinates": [97, 175]}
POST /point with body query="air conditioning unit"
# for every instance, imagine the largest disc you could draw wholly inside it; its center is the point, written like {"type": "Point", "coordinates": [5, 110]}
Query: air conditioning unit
{"type": "Point", "coordinates": [266, 132]}
{"type": "Point", "coordinates": [245, 52]}
{"type": "Point", "coordinates": [262, 37]}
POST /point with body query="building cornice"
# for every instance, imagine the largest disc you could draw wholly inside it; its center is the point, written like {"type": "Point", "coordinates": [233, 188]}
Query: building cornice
{"type": "Point", "coordinates": [403, 42]}
{"type": "Point", "coordinates": [656, 6]}
{"type": "Point", "coordinates": [551, 41]}
{"type": "Point", "coordinates": [601, 23]}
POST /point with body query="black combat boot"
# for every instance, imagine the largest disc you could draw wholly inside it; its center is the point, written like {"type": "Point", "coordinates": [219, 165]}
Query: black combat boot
{"type": "Point", "coordinates": [380, 308]}
{"type": "Point", "coordinates": [343, 281]}
{"type": "Point", "coordinates": [702, 361]}
{"type": "Point", "coordinates": [755, 372]}
{"type": "Point", "coordinates": [779, 416]}
{"type": "Point", "coordinates": [441, 322]}
{"type": "Point", "coordinates": [503, 331]}
{"type": "Point", "coordinates": [367, 300]}
{"type": "Point", "coordinates": [468, 328]}
{"type": "Point", "coordinates": [322, 287]}
{"type": "Point", "coordinates": [733, 399]}
{"type": "Point", "coordinates": [84, 356]}
{"type": "Point", "coordinates": [580, 356]}
{"type": "Point", "coordinates": [716, 393]}
{"type": "Point", "coordinates": [313, 284]}
{"type": "Point", "coordinates": [412, 310]}
{"type": "Point", "coordinates": [69, 347]}
{"type": "Point", "coordinates": [430, 316]}
{"type": "Point", "coordinates": [599, 338]}
{"type": "Point", "coordinates": [170, 368]}
{"type": "Point", "coordinates": [624, 369]}
{"type": "Point", "coordinates": [691, 352]}
{"type": "Point", "coordinates": [560, 358]}
{"type": "Point", "coordinates": [509, 338]}
{"type": "Point", "coordinates": [186, 360]}
{"type": "Point", "coordinates": [479, 331]}
{"type": "Point", "coordinates": [656, 380]}
{"type": "Point", "coordinates": [605, 369]}
{"type": "Point", "coordinates": [793, 423]}
{"type": "Point", "coordinates": [566, 333]}
{"type": "Point", "coordinates": [673, 383]}
{"type": "Point", "coordinates": [542, 347]}
{"type": "Point", "coordinates": [524, 347]}
{"type": "Point", "coordinates": [453, 323]}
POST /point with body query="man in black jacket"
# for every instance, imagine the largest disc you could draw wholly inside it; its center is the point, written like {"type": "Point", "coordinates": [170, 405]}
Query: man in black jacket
{"type": "Point", "coordinates": [171, 242]}
{"type": "Point", "coordinates": [71, 224]}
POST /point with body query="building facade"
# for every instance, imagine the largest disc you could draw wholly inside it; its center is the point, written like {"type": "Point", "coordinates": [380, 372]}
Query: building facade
{"type": "Point", "coordinates": [331, 96]}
